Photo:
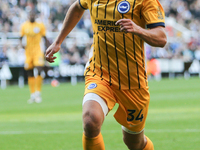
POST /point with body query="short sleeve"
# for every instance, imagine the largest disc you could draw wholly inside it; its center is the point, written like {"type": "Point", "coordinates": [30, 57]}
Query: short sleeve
{"type": "Point", "coordinates": [83, 4]}
{"type": "Point", "coordinates": [43, 30]}
{"type": "Point", "coordinates": [153, 13]}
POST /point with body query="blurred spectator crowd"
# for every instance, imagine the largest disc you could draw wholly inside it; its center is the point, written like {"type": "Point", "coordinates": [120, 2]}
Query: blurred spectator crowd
{"type": "Point", "coordinates": [186, 15]}
{"type": "Point", "coordinates": [52, 12]}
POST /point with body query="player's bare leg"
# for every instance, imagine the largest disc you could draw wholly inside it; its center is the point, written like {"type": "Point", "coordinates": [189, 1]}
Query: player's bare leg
{"type": "Point", "coordinates": [137, 141]}
{"type": "Point", "coordinates": [93, 117]}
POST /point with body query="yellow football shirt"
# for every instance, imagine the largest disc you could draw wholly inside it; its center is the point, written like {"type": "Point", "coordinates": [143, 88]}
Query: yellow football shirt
{"type": "Point", "coordinates": [33, 33]}
{"type": "Point", "coordinates": [119, 58]}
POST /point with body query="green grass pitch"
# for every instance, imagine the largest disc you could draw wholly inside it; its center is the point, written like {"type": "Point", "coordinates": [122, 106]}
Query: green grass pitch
{"type": "Point", "coordinates": [173, 122]}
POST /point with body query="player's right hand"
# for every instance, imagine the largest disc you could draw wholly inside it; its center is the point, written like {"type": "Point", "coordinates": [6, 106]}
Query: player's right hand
{"type": "Point", "coordinates": [52, 49]}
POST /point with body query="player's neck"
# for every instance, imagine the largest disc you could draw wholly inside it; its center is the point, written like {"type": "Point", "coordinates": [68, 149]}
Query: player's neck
{"type": "Point", "coordinates": [32, 21]}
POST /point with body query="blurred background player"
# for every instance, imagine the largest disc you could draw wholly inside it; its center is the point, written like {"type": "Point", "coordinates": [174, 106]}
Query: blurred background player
{"type": "Point", "coordinates": [34, 32]}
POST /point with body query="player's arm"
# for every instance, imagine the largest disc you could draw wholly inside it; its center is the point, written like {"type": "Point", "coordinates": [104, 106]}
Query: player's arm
{"type": "Point", "coordinates": [155, 36]}
{"type": "Point", "coordinates": [47, 43]}
{"type": "Point", "coordinates": [22, 34]}
{"type": "Point", "coordinates": [72, 17]}
{"type": "Point", "coordinates": [20, 42]}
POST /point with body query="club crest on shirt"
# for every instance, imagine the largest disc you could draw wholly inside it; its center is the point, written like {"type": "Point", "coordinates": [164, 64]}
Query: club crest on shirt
{"type": "Point", "coordinates": [36, 30]}
{"type": "Point", "coordinates": [123, 7]}
{"type": "Point", "coordinates": [92, 86]}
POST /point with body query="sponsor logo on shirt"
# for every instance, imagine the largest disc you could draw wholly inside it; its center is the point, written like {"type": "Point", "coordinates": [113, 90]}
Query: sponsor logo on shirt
{"type": "Point", "coordinates": [107, 25]}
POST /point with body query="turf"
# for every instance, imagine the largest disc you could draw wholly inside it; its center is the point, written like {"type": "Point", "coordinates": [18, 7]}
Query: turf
{"type": "Point", "coordinates": [55, 124]}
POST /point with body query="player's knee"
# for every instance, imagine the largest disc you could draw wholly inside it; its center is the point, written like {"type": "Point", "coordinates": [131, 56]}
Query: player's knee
{"type": "Point", "coordinates": [91, 124]}
{"type": "Point", "coordinates": [39, 69]}
{"type": "Point", "coordinates": [30, 73]}
{"type": "Point", "coordinates": [91, 120]}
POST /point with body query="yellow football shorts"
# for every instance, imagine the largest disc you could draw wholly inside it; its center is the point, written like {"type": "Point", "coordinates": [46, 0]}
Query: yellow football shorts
{"type": "Point", "coordinates": [33, 60]}
{"type": "Point", "coordinates": [133, 104]}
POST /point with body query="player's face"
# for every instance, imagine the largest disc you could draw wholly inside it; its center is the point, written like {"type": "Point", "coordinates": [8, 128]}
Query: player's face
{"type": "Point", "coordinates": [32, 17]}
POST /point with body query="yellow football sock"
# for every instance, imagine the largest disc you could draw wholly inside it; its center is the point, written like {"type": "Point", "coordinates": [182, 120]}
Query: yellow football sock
{"type": "Point", "coordinates": [31, 83]}
{"type": "Point", "coordinates": [149, 145]}
{"type": "Point", "coordinates": [95, 143]}
{"type": "Point", "coordinates": [38, 81]}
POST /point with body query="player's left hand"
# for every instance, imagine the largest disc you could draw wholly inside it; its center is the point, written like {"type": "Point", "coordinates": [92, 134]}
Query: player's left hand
{"type": "Point", "coordinates": [127, 25]}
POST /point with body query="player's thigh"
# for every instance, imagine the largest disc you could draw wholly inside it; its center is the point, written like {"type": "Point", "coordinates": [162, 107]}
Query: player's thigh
{"type": "Point", "coordinates": [28, 64]}
{"type": "Point", "coordinates": [99, 90]}
{"type": "Point", "coordinates": [38, 59]}
{"type": "Point", "coordinates": [133, 109]}
{"type": "Point", "coordinates": [94, 104]}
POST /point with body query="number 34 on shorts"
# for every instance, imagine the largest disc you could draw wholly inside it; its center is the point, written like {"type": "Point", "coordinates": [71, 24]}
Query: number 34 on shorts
{"type": "Point", "coordinates": [132, 115]}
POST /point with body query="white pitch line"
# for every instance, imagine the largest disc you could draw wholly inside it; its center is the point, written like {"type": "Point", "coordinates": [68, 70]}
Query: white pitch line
{"type": "Point", "coordinates": [105, 131]}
